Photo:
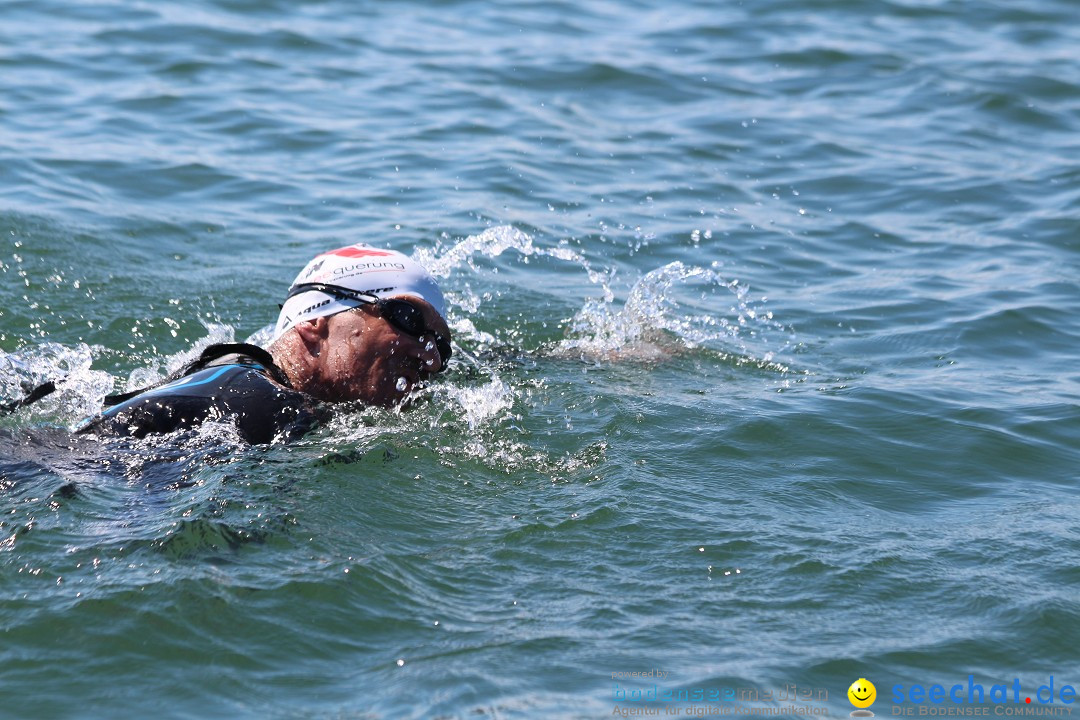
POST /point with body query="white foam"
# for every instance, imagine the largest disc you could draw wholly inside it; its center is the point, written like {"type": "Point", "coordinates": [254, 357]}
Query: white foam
{"type": "Point", "coordinates": [79, 390]}
{"type": "Point", "coordinates": [673, 307]}
{"type": "Point", "coordinates": [144, 376]}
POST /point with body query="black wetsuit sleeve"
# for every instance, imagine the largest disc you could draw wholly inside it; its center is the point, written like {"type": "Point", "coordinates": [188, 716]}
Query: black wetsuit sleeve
{"type": "Point", "coordinates": [261, 409]}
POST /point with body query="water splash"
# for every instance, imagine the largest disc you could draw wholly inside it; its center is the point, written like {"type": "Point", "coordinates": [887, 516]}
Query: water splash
{"type": "Point", "coordinates": [492, 242]}
{"type": "Point", "coordinates": [160, 367]}
{"type": "Point", "coordinates": [676, 307]}
{"type": "Point", "coordinates": [262, 337]}
{"type": "Point", "coordinates": [79, 390]}
{"type": "Point", "coordinates": [671, 309]}
{"type": "Point", "coordinates": [483, 404]}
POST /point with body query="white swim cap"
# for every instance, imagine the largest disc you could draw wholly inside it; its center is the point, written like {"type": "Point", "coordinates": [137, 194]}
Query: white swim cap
{"type": "Point", "coordinates": [359, 267]}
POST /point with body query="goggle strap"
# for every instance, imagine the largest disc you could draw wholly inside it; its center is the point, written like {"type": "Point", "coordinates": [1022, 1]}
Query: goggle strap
{"type": "Point", "coordinates": [335, 290]}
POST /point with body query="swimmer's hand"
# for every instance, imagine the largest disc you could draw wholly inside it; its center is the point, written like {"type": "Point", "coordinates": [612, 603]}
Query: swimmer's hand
{"type": "Point", "coordinates": [32, 397]}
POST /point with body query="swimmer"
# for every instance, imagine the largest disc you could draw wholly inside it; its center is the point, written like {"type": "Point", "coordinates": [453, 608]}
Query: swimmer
{"type": "Point", "coordinates": [358, 324]}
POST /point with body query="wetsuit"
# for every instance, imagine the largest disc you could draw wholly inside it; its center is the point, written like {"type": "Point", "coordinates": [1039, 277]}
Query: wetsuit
{"type": "Point", "coordinates": [231, 381]}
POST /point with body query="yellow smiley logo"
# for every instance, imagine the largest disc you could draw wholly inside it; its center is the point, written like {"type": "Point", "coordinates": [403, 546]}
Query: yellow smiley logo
{"type": "Point", "coordinates": [862, 693]}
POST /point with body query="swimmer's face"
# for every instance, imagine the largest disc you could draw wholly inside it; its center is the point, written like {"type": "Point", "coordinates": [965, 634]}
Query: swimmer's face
{"type": "Point", "coordinates": [367, 358]}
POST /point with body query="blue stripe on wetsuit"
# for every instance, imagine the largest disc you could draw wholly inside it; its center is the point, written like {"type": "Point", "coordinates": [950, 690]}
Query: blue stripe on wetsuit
{"type": "Point", "coordinates": [185, 382]}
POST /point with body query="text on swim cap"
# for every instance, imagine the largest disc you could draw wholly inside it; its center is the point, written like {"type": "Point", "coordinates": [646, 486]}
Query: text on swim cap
{"type": "Point", "coordinates": [360, 267]}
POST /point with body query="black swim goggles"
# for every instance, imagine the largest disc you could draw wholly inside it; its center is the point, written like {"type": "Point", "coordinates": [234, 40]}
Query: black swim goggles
{"type": "Point", "coordinates": [402, 314]}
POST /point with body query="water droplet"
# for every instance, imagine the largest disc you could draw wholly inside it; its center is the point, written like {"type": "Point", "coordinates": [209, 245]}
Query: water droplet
{"type": "Point", "coordinates": [401, 384]}
{"type": "Point", "coordinates": [400, 662]}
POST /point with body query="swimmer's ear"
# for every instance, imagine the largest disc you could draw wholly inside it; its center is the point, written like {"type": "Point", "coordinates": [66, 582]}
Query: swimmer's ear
{"type": "Point", "coordinates": [313, 332]}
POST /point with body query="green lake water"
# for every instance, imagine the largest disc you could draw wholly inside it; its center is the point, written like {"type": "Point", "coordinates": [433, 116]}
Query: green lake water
{"type": "Point", "coordinates": [765, 318]}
